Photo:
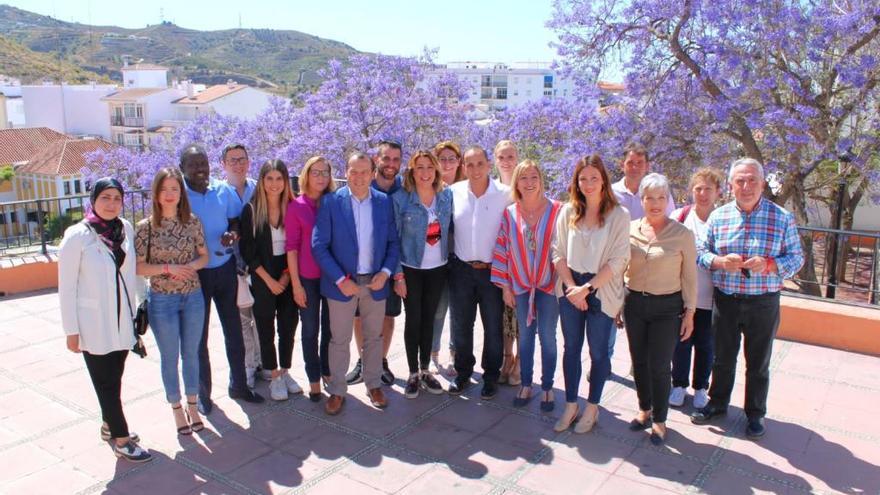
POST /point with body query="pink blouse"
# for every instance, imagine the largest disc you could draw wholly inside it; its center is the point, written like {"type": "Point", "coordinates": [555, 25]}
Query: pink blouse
{"type": "Point", "coordinates": [298, 224]}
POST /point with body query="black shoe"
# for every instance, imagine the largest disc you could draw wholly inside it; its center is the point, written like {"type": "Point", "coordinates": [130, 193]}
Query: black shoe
{"type": "Point", "coordinates": [356, 374]}
{"type": "Point", "coordinates": [707, 414]}
{"type": "Point", "coordinates": [755, 428]}
{"type": "Point", "coordinates": [247, 396]}
{"type": "Point", "coordinates": [387, 376]}
{"type": "Point", "coordinates": [636, 425]}
{"type": "Point", "coordinates": [458, 386]}
{"type": "Point", "coordinates": [490, 390]}
{"type": "Point", "coordinates": [205, 406]}
{"type": "Point", "coordinates": [430, 384]}
{"type": "Point", "coordinates": [315, 396]}
{"type": "Point", "coordinates": [412, 386]}
{"type": "Point", "coordinates": [656, 440]}
{"type": "Point", "coordinates": [520, 401]}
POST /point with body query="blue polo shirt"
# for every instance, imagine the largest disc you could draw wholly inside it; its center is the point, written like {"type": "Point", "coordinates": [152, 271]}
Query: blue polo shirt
{"type": "Point", "coordinates": [395, 186]}
{"type": "Point", "coordinates": [250, 186]}
{"type": "Point", "coordinates": [214, 209]}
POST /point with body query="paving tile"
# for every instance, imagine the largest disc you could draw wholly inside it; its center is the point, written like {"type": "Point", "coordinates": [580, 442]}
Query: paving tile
{"type": "Point", "coordinates": [214, 488]}
{"type": "Point", "coordinates": [441, 479]}
{"type": "Point", "coordinates": [662, 470]}
{"type": "Point", "coordinates": [72, 439]}
{"type": "Point", "coordinates": [49, 480]}
{"type": "Point", "coordinates": [487, 455]}
{"type": "Point", "coordinates": [40, 418]}
{"type": "Point", "coordinates": [226, 453]}
{"type": "Point", "coordinates": [386, 470]}
{"type": "Point", "coordinates": [616, 485]}
{"type": "Point", "coordinates": [435, 439]}
{"type": "Point", "coordinates": [734, 482]}
{"type": "Point", "coordinates": [563, 477]}
{"type": "Point", "coordinates": [275, 472]}
{"type": "Point", "coordinates": [596, 450]}
{"type": "Point", "coordinates": [166, 477]}
{"type": "Point", "coordinates": [23, 460]}
{"type": "Point", "coordinates": [338, 483]}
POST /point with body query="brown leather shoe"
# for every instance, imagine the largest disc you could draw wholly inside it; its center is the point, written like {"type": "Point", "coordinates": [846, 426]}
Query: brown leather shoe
{"type": "Point", "coordinates": [334, 405]}
{"type": "Point", "coordinates": [377, 398]}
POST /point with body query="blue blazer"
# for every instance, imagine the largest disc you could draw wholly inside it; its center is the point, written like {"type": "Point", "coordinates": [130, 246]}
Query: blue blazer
{"type": "Point", "coordinates": [335, 244]}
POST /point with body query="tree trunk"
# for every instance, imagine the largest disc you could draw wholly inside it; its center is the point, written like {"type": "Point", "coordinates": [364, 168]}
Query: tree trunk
{"type": "Point", "coordinates": [807, 280]}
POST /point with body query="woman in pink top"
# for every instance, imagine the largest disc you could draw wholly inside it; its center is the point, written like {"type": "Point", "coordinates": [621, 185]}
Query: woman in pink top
{"type": "Point", "coordinates": [315, 180]}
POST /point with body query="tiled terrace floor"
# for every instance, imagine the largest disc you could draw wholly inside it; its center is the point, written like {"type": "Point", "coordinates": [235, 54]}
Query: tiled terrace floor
{"type": "Point", "coordinates": [823, 433]}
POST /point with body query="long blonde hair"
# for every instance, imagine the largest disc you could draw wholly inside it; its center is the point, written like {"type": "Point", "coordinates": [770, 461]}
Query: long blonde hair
{"type": "Point", "coordinates": [305, 176]}
{"type": "Point", "coordinates": [260, 201]}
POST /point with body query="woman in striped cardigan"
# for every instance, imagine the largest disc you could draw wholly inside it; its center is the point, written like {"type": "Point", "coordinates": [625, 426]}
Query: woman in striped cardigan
{"type": "Point", "coordinates": [522, 267]}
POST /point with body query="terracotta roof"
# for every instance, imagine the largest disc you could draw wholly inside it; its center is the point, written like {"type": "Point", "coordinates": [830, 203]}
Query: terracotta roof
{"type": "Point", "coordinates": [144, 67]}
{"type": "Point", "coordinates": [17, 145]}
{"type": "Point", "coordinates": [213, 93]}
{"type": "Point", "coordinates": [610, 86]}
{"type": "Point", "coordinates": [63, 157]}
{"type": "Point", "coordinates": [132, 94]}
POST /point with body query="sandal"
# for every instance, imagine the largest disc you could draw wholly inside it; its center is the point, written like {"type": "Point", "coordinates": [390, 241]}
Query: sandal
{"type": "Point", "coordinates": [519, 400]}
{"type": "Point", "coordinates": [565, 421]}
{"type": "Point", "coordinates": [196, 426]}
{"type": "Point", "coordinates": [514, 377]}
{"type": "Point", "coordinates": [185, 429]}
{"type": "Point", "coordinates": [506, 368]}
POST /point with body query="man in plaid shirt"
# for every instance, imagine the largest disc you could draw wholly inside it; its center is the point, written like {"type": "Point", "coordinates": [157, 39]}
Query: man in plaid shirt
{"type": "Point", "coordinates": [751, 247]}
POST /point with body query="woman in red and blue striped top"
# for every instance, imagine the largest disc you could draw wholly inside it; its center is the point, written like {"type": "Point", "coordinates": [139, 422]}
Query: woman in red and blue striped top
{"type": "Point", "coordinates": [522, 266]}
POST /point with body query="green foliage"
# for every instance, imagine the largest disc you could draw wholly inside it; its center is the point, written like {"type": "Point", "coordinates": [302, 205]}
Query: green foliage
{"type": "Point", "coordinates": [57, 224]}
{"type": "Point", "coordinates": [6, 173]}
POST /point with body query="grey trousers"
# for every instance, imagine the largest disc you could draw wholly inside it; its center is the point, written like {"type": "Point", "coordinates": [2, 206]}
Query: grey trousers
{"type": "Point", "coordinates": [251, 339]}
{"type": "Point", "coordinates": [372, 314]}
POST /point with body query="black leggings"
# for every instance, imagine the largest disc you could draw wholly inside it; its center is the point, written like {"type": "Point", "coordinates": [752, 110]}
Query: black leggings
{"type": "Point", "coordinates": [653, 324]}
{"type": "Point", "coordinates": [423, 290]}
{"type": "Point", "coordinates": [270, 309]}
{"type": "Point", "coordinates": [106, 373]}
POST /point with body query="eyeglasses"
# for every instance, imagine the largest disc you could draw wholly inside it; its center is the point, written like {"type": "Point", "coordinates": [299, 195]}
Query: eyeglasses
{"type": "Point", "coordinates": [319, 173]}
{"type": "Point", "coordinates": [237, 161]}
{"type": "Point", "coordinates": [448, 160]}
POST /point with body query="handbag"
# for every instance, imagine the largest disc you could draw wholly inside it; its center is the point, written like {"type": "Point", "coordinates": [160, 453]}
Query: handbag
{"type": "Point", "coordinates": [141, 320]}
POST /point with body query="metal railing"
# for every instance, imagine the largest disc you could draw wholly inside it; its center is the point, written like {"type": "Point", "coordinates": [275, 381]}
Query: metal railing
{"type": "Point", "coordinates": [116, 120]}
{"type": "Point", "coordinates": [843, 265]}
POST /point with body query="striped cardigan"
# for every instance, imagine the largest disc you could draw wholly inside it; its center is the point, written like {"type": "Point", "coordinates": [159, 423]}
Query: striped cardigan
{"type": "Point", "coordinates": [515, 266]}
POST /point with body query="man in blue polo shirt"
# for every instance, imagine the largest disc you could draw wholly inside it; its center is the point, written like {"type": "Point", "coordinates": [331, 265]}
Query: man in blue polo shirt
{"type": "Point", "coordinates": [236, 164]}
{"type": "Point", "coordinates": [217, 208]}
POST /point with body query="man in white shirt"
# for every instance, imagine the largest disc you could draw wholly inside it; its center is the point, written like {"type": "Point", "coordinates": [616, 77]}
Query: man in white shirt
{"type": "Point", "coordinates": [478, 206]}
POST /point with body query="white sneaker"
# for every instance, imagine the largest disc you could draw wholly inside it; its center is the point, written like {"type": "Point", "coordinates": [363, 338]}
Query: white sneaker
{"type": "Point", "coordinates": [701, 398]}
{"type": "Point", "coordinates": [278, 389]}
{"type": "Point", "coordinates": [292, 386]}
{"type": "Point", "coordinates": [676, 396]}
{"type": "Point", "coordinates": [251, 375]}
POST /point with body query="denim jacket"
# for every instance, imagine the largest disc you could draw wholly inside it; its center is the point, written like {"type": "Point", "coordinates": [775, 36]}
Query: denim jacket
{"type": "Point", "coordinates": [412, 225]}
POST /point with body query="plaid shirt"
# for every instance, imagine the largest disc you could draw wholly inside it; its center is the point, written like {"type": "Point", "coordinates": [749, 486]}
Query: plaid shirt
{"type": "Point", "coordinates": [768, 231]}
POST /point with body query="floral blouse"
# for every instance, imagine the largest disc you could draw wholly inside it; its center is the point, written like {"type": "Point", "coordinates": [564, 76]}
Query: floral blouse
{"type": "Point", "coordinates": [174, 243]}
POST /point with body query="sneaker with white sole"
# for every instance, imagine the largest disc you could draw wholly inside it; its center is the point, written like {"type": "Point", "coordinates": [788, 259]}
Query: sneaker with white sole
{"type": "Point", "coordinates": [701, 398]}
{"type": "Point", "coordinates": [132, 452]}
{"type": "Point", "coordinates": [435, 368]}
{"type": "Point", "coordinates": [251, 376]}
{"type": "Point", "coordinates": [278, 389]}
{"type": "Point", "coordinates": [411, 391]}
{"type": "Point", "coordinates": [292, 386]}
{"type": "Point", "coordinates": [430, 384]}
{"type": "Point", "coordinates": [676, 396]}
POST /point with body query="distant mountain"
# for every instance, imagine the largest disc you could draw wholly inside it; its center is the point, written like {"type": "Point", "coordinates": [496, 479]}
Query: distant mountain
{"type": "Point", "coordinates": [19, 61]}
{"type": "Point", "coordinates": [281, 60]}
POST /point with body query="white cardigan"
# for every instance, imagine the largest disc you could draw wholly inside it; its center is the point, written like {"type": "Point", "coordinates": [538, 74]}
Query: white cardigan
{"type": "Point", "coordinates": [86, 280]}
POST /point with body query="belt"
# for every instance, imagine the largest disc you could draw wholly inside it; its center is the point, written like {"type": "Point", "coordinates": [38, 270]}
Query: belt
{"type": "Point", "coordinates": [478, 265]}
{"type": "Point", "coordinates": [749, 296]}
{"type": "Point", "coordinates": [363, 279]}
{"type": "Point", "coordinates": [642, 293]}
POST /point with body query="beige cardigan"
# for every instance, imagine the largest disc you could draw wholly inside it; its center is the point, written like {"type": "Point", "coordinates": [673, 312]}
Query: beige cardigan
{"type": "Point", "coordinates": [615, 254]}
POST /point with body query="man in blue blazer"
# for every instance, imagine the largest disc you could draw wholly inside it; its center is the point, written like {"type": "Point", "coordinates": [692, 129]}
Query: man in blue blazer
{"type": "Point", "coordinates": [356, 245]}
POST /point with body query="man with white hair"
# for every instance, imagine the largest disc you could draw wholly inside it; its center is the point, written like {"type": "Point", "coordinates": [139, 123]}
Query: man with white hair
{"type": "Point", "coordinates": [751, 246]}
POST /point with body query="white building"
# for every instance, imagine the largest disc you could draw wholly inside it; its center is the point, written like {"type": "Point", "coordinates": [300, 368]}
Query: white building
{"type": "Point", "coordinates": [230, 99]}
{"type": "Point", "coordinates": [11, 103]}
{"type": "Point", "coordinates": [144, 76]}
{"type": "Point", "coordinates": [73, 109]}
{"type": "Point", "coordinates": [499, 86]}
{"type": "Point", "coordinates": [134, 112]}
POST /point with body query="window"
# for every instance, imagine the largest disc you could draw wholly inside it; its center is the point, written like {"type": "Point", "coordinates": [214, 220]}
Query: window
{"type": "Point", "coordinates": [548, 81]}
{"type": "Point", "coordinates": [499, 81]}
{"type": "Point", "coordinates": [66, 188]}
{"type": "Point", "coordinates": [515, 93]}
{"type": "Point", "coordinates": [487, 81]}
{"type": "Point", "coordinates": [548, 93]}
{"type": "Point", "coordinates": [77, 186]}
{"type": "Point", "coordinates": [486, 93]}
{"type": "Point", "coordinates": [501, 94]}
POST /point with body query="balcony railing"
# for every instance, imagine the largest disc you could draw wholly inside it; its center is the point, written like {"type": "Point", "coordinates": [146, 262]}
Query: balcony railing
{"type": "Point", "coordinates": [126, 121]}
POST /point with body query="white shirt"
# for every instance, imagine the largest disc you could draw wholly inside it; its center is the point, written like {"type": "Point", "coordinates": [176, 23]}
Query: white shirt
{"type": "Point", "coordinates": [704, 277]}
{"type": "Point", "coordinates": [363, 224]}
{"type": "Point", "coordinates": [477, 220]}
{"type": "Point", "coordinates": [277, 241]}
{"type": "Point", "coordinates": [633, 203]}
{"type": "Point", "coordinates": [433, 257]}
{"type": "Point", "coordinates": [585, 247]}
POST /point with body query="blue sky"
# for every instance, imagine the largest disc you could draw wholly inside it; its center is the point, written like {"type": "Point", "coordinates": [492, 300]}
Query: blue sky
{"type": "Point", "coordinates": [476, 30]}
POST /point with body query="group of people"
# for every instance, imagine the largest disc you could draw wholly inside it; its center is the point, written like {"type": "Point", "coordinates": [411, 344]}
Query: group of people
{"type": "Point", "coordinates": [442, 237]}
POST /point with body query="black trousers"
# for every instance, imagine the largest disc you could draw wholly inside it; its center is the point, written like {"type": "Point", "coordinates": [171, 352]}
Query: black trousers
{"type": "Point", "coordinates": [423, 290]}
{"type": "Point", "coordinates": [756, 319]}
{"type": "Point", "coordinates": [106, 371]}
{"type": "Point", "coordinates": [271, 310]}
{"type": "Point", "coordinates": [469, 289]}
{"type": "Point", "coordinates": [653, 324]}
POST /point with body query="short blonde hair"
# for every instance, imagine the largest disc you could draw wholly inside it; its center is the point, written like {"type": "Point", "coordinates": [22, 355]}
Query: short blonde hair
{"type": "Point", "coordinates": [520, 169]}
{"type": "Point", "coordinates": [707, 174]}
{"type": "Point", "coordinates": [305, 175]}
{"type": "Point", "coordinates": [409, 181]}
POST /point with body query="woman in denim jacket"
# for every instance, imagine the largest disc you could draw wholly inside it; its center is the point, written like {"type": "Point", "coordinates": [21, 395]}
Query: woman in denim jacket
{"type": "Point", "coordinates": [423, 212]}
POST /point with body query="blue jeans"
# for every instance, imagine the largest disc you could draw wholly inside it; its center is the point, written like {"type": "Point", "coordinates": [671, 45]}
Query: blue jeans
{"type": "Point", "coordinates": [440, 321]}
{"type": "Point", "coordinates": [703, 342]}
{"type": "Point", "coordinates": [315, 319]}
{"type": "Point", "coordinates": [470, 288]}
{"type": "Point", "coordinates": [598, 332]}
{"type": "Point", "coordinates": [220, 284]}
{"type": "Point", "coordinates": [176, 320]}
{"type": "Point", "coordinates": [544, 324]}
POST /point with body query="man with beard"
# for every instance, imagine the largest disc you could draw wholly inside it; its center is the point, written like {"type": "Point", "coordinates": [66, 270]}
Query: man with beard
{"type": "Point", "coordinates": [216, 207]}
{"type": "Point", "coordinates": [387, 180]}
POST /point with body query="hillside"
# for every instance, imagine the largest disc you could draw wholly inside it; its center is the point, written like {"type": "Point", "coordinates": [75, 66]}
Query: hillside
{"type": "Point", "coordinates": [281, 60]}
{"type": "Point", "coordinates": [18, 61]}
